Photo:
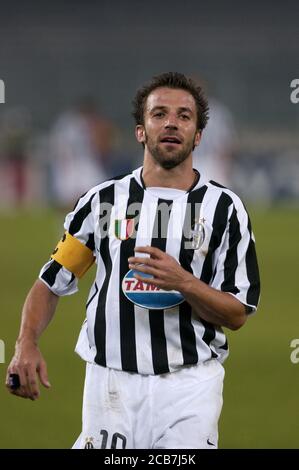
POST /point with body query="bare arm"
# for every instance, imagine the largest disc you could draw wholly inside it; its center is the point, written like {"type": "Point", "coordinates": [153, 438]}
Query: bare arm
{"type": "Point", "coordinates": [214, 306]}
{"type": "Point", "coordinates": [38, 310]}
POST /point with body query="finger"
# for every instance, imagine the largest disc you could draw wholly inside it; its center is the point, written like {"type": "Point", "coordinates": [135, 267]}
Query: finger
{"type": "Point", "coordinates": [18, 393]}
{"type": "Point", "coordinates": [147, 270]}
{"type": "Point", "coordinates": [24, 390]}
{"type": "Point", "coordinates": [12, 369]}
{"type": "Point", "coordinates": [43, 374]}
{"type": "Point", "coordinates": [146, 280]}
{"type": "Point", "coordinates": [32, 383]}
{"type": "Point", "coordinates": [9, 371]}
{"type": "Point", "coordinates": [21, 391]}
{"type": "Point", "coordinates": [12, 381]}
{"type": "Point", "coordinates": [140, 261]}
{"type": "Point", "coordinates": [152, 251]}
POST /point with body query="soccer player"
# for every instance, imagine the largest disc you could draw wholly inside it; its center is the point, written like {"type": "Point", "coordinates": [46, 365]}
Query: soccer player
{"type": "Point", "coordinates": [176, 262]}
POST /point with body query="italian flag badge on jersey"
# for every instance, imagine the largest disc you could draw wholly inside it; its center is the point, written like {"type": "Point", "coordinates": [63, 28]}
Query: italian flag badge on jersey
{"type": "Point", "coordinates": [123, 228]}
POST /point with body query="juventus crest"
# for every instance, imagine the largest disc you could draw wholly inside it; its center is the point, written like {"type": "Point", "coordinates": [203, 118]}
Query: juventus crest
{"type": "Point", "coordinates": [198, 234]}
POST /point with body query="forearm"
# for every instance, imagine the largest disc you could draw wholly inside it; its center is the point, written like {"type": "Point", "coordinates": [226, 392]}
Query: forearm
{"type": "Point", "coordinates": [217, 307]}
{"type": "Point", "coordinates": [38, 310]}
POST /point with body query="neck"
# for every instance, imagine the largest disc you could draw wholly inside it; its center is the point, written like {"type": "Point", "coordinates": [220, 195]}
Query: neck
{"type": "Point", "coordinates": [180, 177]}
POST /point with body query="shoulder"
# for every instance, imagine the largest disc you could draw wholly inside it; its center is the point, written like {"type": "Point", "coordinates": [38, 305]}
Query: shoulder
{"type": "Point", "coordinates": [224, 205]}
{"type": "Point", "coordinates": [217, 190]}
{"type": "Point", "coordinates": [96, 190]}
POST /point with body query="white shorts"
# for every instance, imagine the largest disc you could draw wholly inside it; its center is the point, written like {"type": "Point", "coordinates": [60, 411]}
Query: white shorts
{"type": "Point", "coordinates": [178, 410]}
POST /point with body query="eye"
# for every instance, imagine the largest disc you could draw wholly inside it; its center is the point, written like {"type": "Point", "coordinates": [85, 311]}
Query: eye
{"type": "Point", "coordinates": [159, 114]}
{"type": "Point", "coordinates": [186, 117]}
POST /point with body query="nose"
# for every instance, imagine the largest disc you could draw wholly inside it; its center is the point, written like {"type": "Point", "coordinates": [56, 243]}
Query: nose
{"type": "Point", "coordinates": [171, 122]}
{"type": "Point", "coordinates": [171, 126]}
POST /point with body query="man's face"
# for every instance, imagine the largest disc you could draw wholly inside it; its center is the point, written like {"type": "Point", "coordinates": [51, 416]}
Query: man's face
{"type": "Point", "coordinates": [169, 132]}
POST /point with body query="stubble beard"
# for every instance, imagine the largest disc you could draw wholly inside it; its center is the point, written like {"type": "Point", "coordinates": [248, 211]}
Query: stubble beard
{"type": "Point", "coordinates": [169, 159]}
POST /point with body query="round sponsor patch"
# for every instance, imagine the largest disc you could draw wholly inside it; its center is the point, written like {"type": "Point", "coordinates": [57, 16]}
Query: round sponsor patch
{"type": "Point", "coordinates": [148, 295]}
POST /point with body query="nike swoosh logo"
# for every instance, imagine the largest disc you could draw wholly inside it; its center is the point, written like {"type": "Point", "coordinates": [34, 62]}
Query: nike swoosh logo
{"type": "Point", "coordinates": [210, 443]}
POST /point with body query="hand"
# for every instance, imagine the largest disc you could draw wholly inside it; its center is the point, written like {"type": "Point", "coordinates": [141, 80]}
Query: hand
{"type": "Point", "coordinates": [168, 273]}
{"type": "Point", "coordinates": [28, 363]}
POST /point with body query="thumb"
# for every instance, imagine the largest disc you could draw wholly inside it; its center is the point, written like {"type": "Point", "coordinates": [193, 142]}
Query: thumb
{"type": "Point", "coordinates": [43, 374]}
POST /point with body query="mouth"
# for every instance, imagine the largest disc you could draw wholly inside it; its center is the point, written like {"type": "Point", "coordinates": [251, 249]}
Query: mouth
{"type": "Point", "coordinates": [171, 140]}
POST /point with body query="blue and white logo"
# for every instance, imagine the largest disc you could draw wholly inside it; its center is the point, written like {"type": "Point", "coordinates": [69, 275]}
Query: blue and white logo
{"type": "Point", "coordinates": [147, 295]}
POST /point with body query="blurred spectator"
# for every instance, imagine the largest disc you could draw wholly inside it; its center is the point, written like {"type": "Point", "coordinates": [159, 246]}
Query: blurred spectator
{"type": "Point", "coordinates": [101, 130]}
{"type": "Point", "coordinates": [268, 176]}
{"type": "Point", "coordinates": [15, 134]}
{"type": "Point", "coordinates": [80, 144]}
{"type": "Point", "coordinates": [213, 157]}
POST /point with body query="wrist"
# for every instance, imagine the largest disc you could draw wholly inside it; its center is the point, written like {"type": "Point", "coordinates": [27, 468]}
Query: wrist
{"type": "Point", "coordinates": [26, 339]}
{"type": "Point", "coordinates": [186, 285]}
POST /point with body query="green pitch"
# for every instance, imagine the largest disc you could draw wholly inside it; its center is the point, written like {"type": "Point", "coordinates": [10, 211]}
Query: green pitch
{"type": "Point", "coordinates": [261, 387]}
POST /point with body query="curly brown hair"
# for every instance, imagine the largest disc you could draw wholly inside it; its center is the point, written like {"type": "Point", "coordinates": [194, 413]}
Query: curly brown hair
{"type": "Point", "coordinates": [177, 81]}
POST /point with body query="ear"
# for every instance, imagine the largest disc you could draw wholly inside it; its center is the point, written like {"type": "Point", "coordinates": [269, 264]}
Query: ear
{"type": "Point", "coordinates": [197, 138]}
{"type": "Point", "coordinates": [140, 133]}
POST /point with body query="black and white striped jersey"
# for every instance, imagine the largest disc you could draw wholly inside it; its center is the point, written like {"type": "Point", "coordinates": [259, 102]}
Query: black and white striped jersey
{"type": "Point", "coordinates": [121, 334]}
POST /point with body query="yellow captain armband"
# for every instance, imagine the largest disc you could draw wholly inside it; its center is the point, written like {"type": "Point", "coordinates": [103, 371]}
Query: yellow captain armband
{"type": "Point", "coordinates": [73, 255]}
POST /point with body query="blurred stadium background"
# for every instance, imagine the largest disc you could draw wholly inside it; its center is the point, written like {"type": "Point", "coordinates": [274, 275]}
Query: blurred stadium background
{"type": "Point", "coordinates": [71, 69]}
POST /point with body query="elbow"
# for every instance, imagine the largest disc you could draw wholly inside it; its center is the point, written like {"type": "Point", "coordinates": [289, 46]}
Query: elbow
{"type": "Point", "coordinates": [237, 322]}
{"type": "Point", "coordinates": [236, 325]}
{"type": "Point", "coordinates": [236, 316]}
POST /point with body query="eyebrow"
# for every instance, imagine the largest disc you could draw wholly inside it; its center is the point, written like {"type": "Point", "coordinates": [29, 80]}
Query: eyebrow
{"type": "Point", "coordinates": [180, 109]}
